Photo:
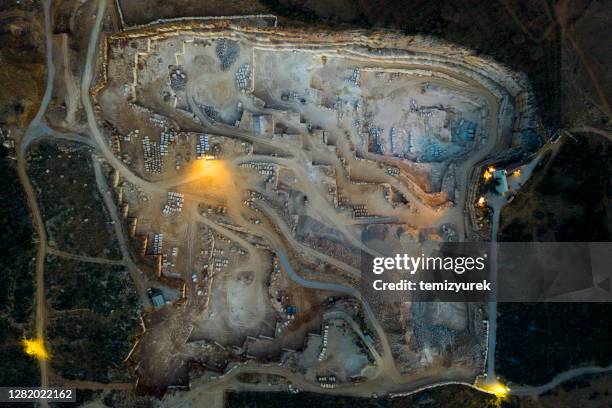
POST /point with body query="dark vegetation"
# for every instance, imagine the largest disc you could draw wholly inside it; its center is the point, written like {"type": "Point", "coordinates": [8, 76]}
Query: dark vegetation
{"type": "Point", "coordinates": [128, 399]}
{"type": "Point", "coordinates": [571, 203]}
{"type": "Point", "coordinates": [69, 200]}
{"type": "Point", "coordinates": [567, 199]}
{"type": "Point", "coordinates": [536, 341]}
{"type": "Point", "coordinates": [22, 71]}
{"type": "Point", "coordinates": [93, 317]}
{"type": "Point", "coordinates": [145, 11]}
{"type": "Point", "coordinates": [16, 279]}
{"type": "Point", "coordinates": [581, 176]}
{"type": "Point", "coordinates": [22, 75]}
{"type": "Point", "coordinates": [292, 11]}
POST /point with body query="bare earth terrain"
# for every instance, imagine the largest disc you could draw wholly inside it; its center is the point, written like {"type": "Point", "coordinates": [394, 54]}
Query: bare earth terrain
{"type": "Point", "coordinates": [205, 184]}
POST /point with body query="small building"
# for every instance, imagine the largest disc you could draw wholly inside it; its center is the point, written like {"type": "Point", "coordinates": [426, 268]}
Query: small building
{"type": "Point", "coordinates": [291, 310]}
{"type": "Point", "coordinates": [502, 181]}
{"type": "Point", "coordinates": [157, 297]}
{"type": "Point", "coordinates": [263, 124]}
{"type": "Point", "coordinates": [158, 300]}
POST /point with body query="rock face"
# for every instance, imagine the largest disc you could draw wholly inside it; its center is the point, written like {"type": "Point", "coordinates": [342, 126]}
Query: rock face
{"type": "Point", "coordinates": [511, 88]}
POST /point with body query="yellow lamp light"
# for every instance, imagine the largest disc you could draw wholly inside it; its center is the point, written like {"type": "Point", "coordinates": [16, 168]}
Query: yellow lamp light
{"type": "Point", "coordinates": [35, 348]}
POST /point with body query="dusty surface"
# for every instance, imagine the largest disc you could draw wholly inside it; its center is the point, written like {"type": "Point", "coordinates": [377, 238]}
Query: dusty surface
{"type": "Point", "coordinates": [251, 165]}
{"type": "Point", "coordinates": [239, 146]}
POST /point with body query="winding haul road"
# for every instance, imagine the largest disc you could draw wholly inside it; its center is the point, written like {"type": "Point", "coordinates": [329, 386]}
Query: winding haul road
{"type": "Point", "coordinates": [38, 128]}
{"type": "Point", "coordinates": [558, 380]}
{"type": "Point", "coordinates": [492, 305]}
{"type": "Point", "coordinates": [32, 131]}
{"type": "Point", "coordinates": [137, 276]}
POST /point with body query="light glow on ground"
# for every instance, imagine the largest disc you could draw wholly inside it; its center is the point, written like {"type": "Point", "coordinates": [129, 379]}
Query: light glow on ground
{"type": "Point", "coordinates": [35, 348]}
{"type": "Point", "coordinates": [501, 391]}
{"type": "Point", "coordinates": [211, 174]}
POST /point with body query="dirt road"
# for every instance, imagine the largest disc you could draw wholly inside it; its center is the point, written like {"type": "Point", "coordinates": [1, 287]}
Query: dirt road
{"type": "Point", "coordinates": [138, 277]}
{"type": "Point", "coordinates": [33, 129]}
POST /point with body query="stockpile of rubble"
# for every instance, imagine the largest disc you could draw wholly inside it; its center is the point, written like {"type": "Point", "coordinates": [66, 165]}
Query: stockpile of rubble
{"type": "Point", "coordinates": [178, 79]}
{"type": "Point", "coordinates": [227, 52]}
{"type": "Point", "coordinates": [174, 203]}
{"type": "Point", "coordinates": [243, 77]}
{"type": "Point", "coordinates": [152, 156]}
{"type": "Point", "coordinates": [167, 136]}
{"type": "Point", "coordinates": [202, 146]}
